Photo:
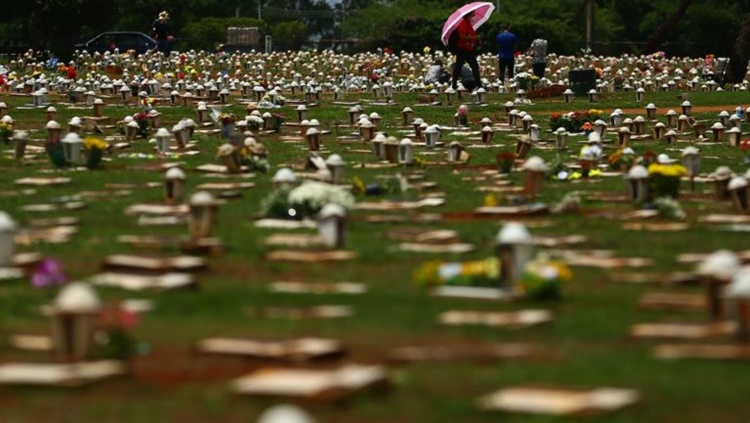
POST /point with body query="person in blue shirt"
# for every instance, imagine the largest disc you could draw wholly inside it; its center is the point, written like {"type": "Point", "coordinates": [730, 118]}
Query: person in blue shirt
{"type": "Point", "coordinates": [506, 47]}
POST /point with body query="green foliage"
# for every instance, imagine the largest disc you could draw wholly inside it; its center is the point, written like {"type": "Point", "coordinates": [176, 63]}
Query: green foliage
{"type": "Point", "coordinates": [620, 26]}
{"type": "Point", "coordinates": [290, 35]}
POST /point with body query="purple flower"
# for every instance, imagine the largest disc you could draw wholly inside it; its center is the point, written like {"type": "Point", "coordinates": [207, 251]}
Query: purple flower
{"type": "Point", "coordinates": [48, 274]}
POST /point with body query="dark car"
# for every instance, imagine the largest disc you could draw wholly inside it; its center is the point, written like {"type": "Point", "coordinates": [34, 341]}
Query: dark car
{"type": "Point", "coordinates": [123, 41]}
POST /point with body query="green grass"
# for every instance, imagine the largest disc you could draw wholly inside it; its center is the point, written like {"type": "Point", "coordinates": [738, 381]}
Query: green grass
{"type": "Point", "coordinates": [586, 345]}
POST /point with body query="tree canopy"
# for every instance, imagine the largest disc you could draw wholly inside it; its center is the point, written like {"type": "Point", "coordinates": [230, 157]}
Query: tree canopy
{"type": "Point", "coordinates": [620, 26]}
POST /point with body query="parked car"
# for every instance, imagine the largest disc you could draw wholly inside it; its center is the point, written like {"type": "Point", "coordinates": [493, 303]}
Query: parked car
{"type": "Point", "coordinates": [122, 40]}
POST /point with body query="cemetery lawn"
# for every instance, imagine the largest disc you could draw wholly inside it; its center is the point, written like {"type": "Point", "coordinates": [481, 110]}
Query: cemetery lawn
{"type": "Point", "coordinates": [586, 345]}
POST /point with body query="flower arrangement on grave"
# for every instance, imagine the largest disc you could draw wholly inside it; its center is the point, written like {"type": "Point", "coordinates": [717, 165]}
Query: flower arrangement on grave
{"type": "Point", "coordinates": [522, 80]}
{"type": "Point", "coordinates": [618, 161]}
{"type": "Point", "coordinates": [113, 337]}
{"type": "Point", "coordinates": [396, 185]}
{"type": "Point", "coordinates": [484, 272]}
{"type": "Point", "coordinates": [6, 132]}
{"type": "Point", "coordinates": [573, 122]}
{"type": "Point", "coordinates": [278, 99]}
{"type": "Point", "coordinates": [567, 175]}
{"type": "Point", "coordinates": [254, 123]}
{"type": "Point", "coordinates": [669, 208]}
{"type": "Point", "coordinates": [227, 118]}
{"type": "Point", "coordinates": [462, 115]}
{"type": "Point", "coordinates": [94, 149]}
{"type": "Point", "coordinates": [147, 103]}
{"type": "Point", "coordinates": [276, 121]}
{"type": "Point", "coordinates": [141, 119]}
{"type": "Point", "coordinates": [505, 161]}
{"type": "Point", "coordinates": [48, 274]}
{"type": "Point", "coordinates": [648, 158]}
{"type": "Point", "coordinates": [491, 200]}
{"type": "Point", "coordinates": [534, 82]}
{"type": "Point", "coordinates": [304, 201]}
{"type": "Point", "coordinates": [599, 72]}
{"type": "Point", "coordinates": [664, 179]}
{"type": "Point", "coordinates": [618, 82]}
{"type": "Point", "coordinates": [745, 147]}
{"type": "Point", "coordinates": [254, 162]}
{"type": "Point", "coordinates": [542, 278]}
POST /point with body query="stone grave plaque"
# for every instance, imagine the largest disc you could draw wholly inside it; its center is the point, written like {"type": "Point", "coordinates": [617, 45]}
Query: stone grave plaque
{"type": "Point", "coordinates": [296, 313]}
{"type": "Point", "coordinates": [35, 181]}
{"type": "Point", "coordinates": [311, 256]}
{"type": "Point", "coordinates": [54, 374]}
{"type": "Point", "coordinates": [136, 282]}
{"type": "Point", "coordinates": [314, 384]}
{"type": "Point", "coordinates": [295, 350]}
{"type": "Point", "coordinates": [673, 301]}
{"type": "Point", "coordinates": [558, 401]}
{"type": "Point", "coordinates": [479, 353]}
{"type": "Point", "coordinates": [293, 287]}
{"type": "Point", "coordinates": [683, 330]}
{"type": "Point", "coordinates": [702, 351]}
{"type": "Point", "coordinates": [518, 319]}
{"type": "Point", "coordinates": [157, 264]}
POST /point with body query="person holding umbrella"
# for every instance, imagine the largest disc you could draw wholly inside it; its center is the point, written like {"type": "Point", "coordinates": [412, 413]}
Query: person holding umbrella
{"type": "Point", "coordinates": [463, 49]}
{"type": "Point", "coordinates": [459, 34]}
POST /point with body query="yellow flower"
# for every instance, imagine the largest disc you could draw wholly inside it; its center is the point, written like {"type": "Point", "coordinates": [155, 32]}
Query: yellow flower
{"type": "Point", "coordinates": [667, 169]}
{"type": "Point", "coordinates": [94, 143]}
{"type": "Point", "coordinates": [563, 272]}
{"type": "Point", "coordinates": [490, 200]}
{"type": "Point", "coordinates": [358, 186]}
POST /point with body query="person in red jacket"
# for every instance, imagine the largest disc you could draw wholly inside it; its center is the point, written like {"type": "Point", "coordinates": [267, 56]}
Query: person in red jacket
{"type": "Point", "coordinates": [463, 39]}
{"type": "Point", "coordinates": [71, 73]}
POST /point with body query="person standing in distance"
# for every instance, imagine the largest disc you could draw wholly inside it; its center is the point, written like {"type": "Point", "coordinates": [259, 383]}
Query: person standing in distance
{"type": "Point", "coordinates": [506, 47]}
{"type": "Point", "coordinates": [538, 52]}
{"type": "Point", "coordinates": [462, 45]}
{"type": "Point", "coordinates": [163, 34]}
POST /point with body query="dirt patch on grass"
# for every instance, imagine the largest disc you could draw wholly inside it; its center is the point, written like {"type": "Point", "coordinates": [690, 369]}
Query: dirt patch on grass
{"type": "Point", "coordinates": [171, 368]}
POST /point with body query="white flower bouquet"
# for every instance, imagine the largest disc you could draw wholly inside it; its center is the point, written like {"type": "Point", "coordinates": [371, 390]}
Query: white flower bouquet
{"type": "Point", "coordinates": [305, 200]}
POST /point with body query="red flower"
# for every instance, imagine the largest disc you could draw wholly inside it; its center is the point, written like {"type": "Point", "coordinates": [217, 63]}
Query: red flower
{"type": "Point", "coordinates": [506, 156]}
{"type": "Point", "coordinates": [745, 144]}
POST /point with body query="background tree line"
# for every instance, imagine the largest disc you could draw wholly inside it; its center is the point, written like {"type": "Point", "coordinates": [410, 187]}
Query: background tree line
{"type": "Point", "coordinates": [621, 26]}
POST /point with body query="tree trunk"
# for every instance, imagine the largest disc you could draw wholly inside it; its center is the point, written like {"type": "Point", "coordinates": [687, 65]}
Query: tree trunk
{"type": "Point", "coordinates": [737, 68]}
{"type": "Point", "coordinates": [668, 26]}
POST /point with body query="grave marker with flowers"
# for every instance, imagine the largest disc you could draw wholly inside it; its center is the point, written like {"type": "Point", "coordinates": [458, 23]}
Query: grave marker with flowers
{"type": "Point", "coordinates": [745, 147]}
{"type": "Point", "coordinates": [94, 149]}
{"type": "Point", "coordinates": [664, 178]}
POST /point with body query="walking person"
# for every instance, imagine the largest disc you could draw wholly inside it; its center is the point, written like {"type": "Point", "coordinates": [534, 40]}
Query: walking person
{"type": "Point", "coordinates": [462, 46]}
{"type": "Point", "coordinates": [506, 48]}
{"type": "Point", "coordinates": [163, 33]}
{"type": "Point", "coordinates": [538, 52]}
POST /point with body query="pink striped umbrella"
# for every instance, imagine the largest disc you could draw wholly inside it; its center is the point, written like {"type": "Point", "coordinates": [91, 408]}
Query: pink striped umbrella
{"type": "Point", "coordinates": [482, 11]}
